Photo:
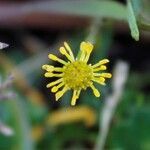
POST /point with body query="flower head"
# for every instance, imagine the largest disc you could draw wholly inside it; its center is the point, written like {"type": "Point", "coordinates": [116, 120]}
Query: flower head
{"type": "Point", "coordinates": [76, 74]}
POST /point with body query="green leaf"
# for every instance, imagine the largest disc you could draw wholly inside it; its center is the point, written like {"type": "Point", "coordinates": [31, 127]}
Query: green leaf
{"type": "Point", "coordinates": [132, 21]}
{"type": "Point", "coordinates": [142, 12]}
{"type": "Point", "coordinates": [21, 126]}
{"type": "Point", "coordinates": [110, 9]}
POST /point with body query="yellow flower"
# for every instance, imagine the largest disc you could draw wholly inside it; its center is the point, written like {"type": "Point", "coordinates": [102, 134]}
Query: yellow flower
{"type": "Point", "coordinates": [76, 74]}
{"type": "Point", "coordinates": [70, 115]}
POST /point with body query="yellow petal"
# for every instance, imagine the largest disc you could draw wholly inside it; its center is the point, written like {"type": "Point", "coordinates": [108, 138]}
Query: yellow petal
{"type": "Point", "coordinates": [59, 94]}
{"type": "Point", "coordinates": [86, 47]}
{"type": "Point", "coordinates": [95, 91]}
{"type": "Point", "coordinates": [101, 62]}
{"type": "Point", "coordinates": [54, 83]}
{"type": "Point", "coordinates": [106, 75]}
{"type": "Point", "coordinates": [102, 67]}
{"type": "Point", "coordinates": [55, 88]}
{"type": "Point", "coordinates": [69, 50]}
{"type": "Point", "coordinates": [48, 67]}
{"type": "Point", "coordinates": [64, 52]}
{"type": "Point", "coordinates": [55, 58]}
{"type": "Point", "coordinates": [74, 98]}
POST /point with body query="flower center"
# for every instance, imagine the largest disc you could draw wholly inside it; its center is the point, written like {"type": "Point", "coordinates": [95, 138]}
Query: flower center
{"type": "Point", "coordinates": [77, 75]}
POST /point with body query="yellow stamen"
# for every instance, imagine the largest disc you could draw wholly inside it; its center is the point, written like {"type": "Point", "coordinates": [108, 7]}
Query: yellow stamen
{"type": "Point", "coordinates": [54, 82]}
{"type": "Point", "coordinates": [49, 75]}
{"type": "Point", "coordinates": [102, 62]}
{"type": "Point", "coordinates": [95, 91]}
{"type": "Point", "coordinates": [59, 94]}
{"type": "Point", "coordinates": [55, 58]}
{"type": "Point", "coordinates": [55, 88]}
{"type": "Point", "coordinates": [69, 50]}
{"type": "Point", "coordinates": [64, 52]}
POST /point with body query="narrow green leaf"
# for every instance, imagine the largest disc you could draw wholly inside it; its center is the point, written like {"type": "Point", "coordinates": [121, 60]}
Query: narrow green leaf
{"type": "Point", "coordinates": [22, 139]}
{"type": "Point", "coordinates": [94, 8]}
{"type": "Point", "coordinates": [132, 21]}
{"type": "Point", "coordinates": [142, 11]}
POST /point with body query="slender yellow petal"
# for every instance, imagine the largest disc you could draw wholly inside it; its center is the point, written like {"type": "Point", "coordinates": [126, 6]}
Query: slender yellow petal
{"type": "Point", "coordinates": [50, 74]}
{"type": "Point", "coordinates": [106, 75]}
{"type": "Point", "coordinates": [54, 83]}
{"type": "Point", "coordinates": [55, 58]}
{"type": "Point", "coordinates": [89, 47]}
{"type": "Point", "coordinates": [87, 57]}
{"type": "Point", "coordinates": [99, 80]}
{"type": "Point", "coordinates": [59, 94]}
{"type": "Point", "coordinates": [102, 67]}
{"type": "Point", "coordinates": [82, 56]}
{"type": "Point", "coordinates": [96, 74]}
{"type": "Point", "coordinates": [48, 67]}
{"type": "Point", "coordinates": [78, 93]}
{"type": "Point", "coordinates": [83, 46]}
{"type": "Point", "coordinates": [64, 52]}
{"type": "Point", "coordinates": [69, 50]}
{"type": "Point", "coordinates": [74, 98]}
{"type": "Point", "coordinates": [83, 52]}
{"type": "Point", "coordinates": [95, 91]}
{"type": "Point", "coordinates": [58, 69]}
{"type": "Point", "coordinates": [55, 88]}
{"type": "Point", "coordinates": [86, 46]}
{"type": "Point", "coordinates": [102, 62]}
